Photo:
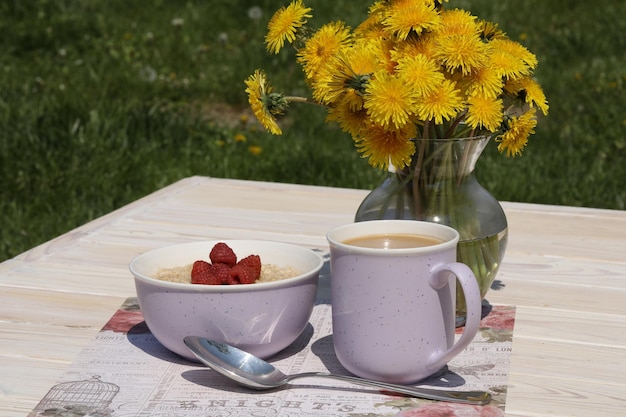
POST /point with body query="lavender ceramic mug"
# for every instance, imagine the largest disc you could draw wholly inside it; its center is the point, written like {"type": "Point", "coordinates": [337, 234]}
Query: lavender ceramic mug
{"type": "Point", "coordinates": [393, 309]}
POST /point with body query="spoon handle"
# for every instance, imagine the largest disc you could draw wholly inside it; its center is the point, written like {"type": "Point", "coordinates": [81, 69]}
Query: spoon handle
{"type": "Point", "coordinates": [466, 397]}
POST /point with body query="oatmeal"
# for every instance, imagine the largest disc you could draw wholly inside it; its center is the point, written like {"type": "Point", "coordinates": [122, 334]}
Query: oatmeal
{"type": "Point", "coordinates": [269, 272]}
{"type": "Point", "coordinates": [225, 268]}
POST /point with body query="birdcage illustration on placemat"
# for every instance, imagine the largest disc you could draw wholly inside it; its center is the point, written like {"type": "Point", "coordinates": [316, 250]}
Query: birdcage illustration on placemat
{"type": "Point", "coordinates": [89, 394]}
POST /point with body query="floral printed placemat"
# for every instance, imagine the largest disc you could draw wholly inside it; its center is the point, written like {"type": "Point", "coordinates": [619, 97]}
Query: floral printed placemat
{"type": "Point", "coordinates": [125, 371]}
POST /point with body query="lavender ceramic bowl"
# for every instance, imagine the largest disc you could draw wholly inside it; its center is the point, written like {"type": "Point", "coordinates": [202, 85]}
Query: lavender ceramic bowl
{"type": "Point", "coordinates": [261, 318]}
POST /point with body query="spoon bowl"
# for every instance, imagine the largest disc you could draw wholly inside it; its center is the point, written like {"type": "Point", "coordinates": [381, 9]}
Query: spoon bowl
{"type": "Point", "coordinates": [253, 372]}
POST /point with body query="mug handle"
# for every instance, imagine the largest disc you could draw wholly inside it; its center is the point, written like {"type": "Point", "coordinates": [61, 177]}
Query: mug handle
{"type": "Point", "coordinates": [469, 285]}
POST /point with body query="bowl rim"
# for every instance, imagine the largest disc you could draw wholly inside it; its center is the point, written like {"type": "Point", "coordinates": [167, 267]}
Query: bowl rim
{"type": "Point", "coordinates": [256, 287]}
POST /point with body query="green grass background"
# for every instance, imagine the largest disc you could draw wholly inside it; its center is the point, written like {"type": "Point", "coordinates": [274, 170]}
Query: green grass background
{"type": "Point", "coordinates": [105, 101]}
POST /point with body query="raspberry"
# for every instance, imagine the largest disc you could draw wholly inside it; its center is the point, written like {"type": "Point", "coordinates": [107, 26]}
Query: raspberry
{"type": "Point", "coordinates": [202, 273]}
{"type": "Point", "coordinates": [253, 262]}
{"type": "Point", "coordinates": [221, 272]}
{"type": "Point", "coordinates": [223, 254]}
{"type": "Point", "coordinates": [241, 274]}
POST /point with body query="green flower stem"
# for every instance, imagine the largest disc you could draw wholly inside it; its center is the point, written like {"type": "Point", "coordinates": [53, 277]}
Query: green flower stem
{"type": "Point", "coordinates": [299, 99]}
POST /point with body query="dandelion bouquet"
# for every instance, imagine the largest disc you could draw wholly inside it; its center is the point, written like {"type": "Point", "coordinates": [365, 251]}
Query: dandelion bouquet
{"type": "Point", "coordinates": [411, 70]}
{"type": "Point", "coordinates": [408, 84]}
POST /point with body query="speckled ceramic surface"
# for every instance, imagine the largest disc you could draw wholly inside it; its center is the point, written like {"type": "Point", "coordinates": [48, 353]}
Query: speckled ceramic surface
{"type": "Point", "coordinates": [260, 318]}
{"type": "Point", "coordinates": [394, 309]}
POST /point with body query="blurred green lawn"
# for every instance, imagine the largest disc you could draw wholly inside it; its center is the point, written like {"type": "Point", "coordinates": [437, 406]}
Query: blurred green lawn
{"type": "Point", "coordinates": [104, 101]}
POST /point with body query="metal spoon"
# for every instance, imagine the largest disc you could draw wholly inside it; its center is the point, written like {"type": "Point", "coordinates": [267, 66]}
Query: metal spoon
{"type": "Point", "coordinates": [253, 372]}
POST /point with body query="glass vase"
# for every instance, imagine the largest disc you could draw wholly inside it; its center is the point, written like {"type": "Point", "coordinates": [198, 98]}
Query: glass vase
{"type": "Point", "coordinates": [440, 186]}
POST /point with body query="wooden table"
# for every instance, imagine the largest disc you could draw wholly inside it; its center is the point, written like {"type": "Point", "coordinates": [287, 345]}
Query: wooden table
{"type": "Point", "coordinates": [564, 270]}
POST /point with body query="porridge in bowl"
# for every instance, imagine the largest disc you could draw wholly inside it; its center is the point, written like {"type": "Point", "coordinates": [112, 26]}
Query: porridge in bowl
{"type": "Point", "coordinates": [224, 268]}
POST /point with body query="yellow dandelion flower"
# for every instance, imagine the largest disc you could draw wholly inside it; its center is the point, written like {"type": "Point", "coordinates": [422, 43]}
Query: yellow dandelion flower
{"type": "Point", "coordinates": [347, 76]}
{"type": "Point", "coordinates": [404, 17]}
{"type": "Point", "coordinates": [516, 50]}
{"type": "Point", "coordinates": [383, 147]}
{"type": "Point", "coordinates": [322, 47]}
{"type": "Point", "coordinates": [349, 120]}
{"type": "Point", "coordinates": [259, 91]}
{"type": "Point", "coordinates": [516, 134]}
{"type": "Point", "coordinates": [364, 58]}
{"type": "Point", "coordinates": [255, 150]}
{"type": "Point", "coordinates": [484, 112]}
{"type": "Point", "coordinates": [239, 137]}
{"type": "Point", "coordinates": [284, 24]}
{"type": "Point", "coordinates": [511, 59]}
{"type": "Point", "coordinates": [441, 104]}
{"type": "Point", "coordinates": [420, 73]}
{"type": "Point", "coordinates": [425, 45]}
{"type": "Point", "coordinates": [490, 31]}
{"type": "Point", "coordinates": [506, 66]}
{"type": "Point", "coordinates": [323, 86]}
{"type": "Point", "coordinates": [388, 100]}
{"type": "Point", "coordinates": [370, 28]}
{"type": "Point", "coordinates": [462, 52]}
{"type": "Point", "coordinates": [378, 7]}
{"type": "Point", "coordinates": [458, 22]}
{"type": "Point", "coordinates": [530, 91]}
{"type": "Point", "coordinates": [383, 48]}
{"type": "Point", "coordinates": [485, 81]}
{"type": "Point", "coordinates": [353, 98]}
{"type": "Point", "coordinates": [321, 89]}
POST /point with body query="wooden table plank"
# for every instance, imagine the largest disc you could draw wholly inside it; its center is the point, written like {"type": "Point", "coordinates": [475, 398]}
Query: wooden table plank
{"type": "Point", "coordinates": [569, 326]}
{"type": "Point", "coordinates": [539, 396]}
{"type": "Point", "coordinates": [21, 390]}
